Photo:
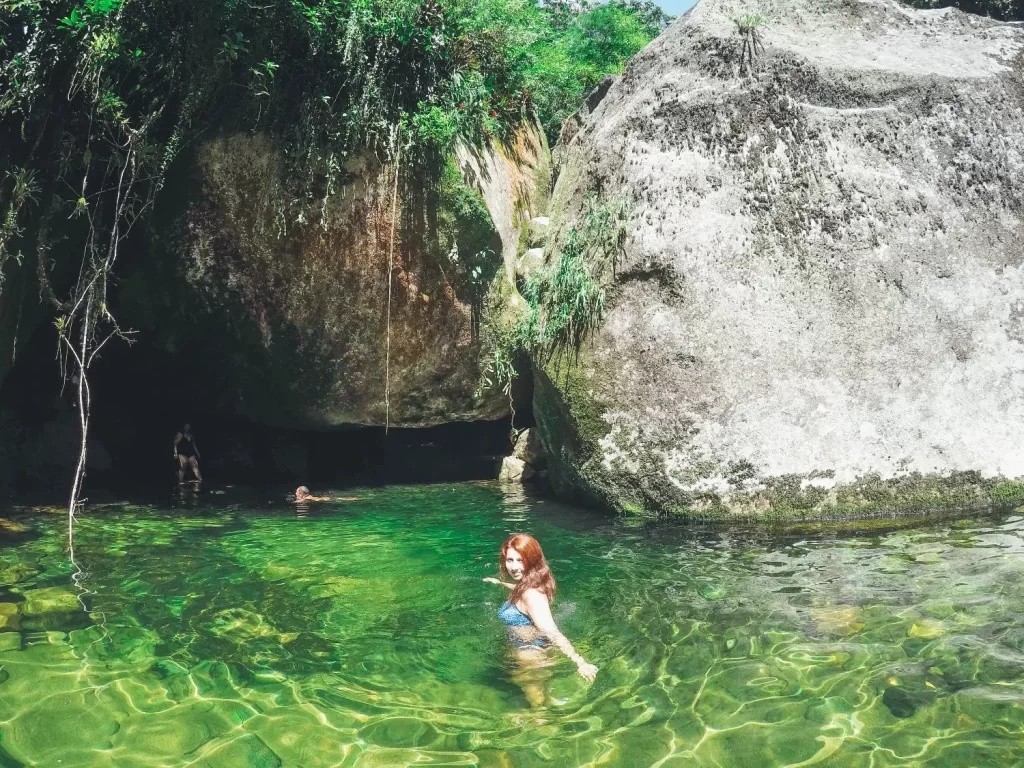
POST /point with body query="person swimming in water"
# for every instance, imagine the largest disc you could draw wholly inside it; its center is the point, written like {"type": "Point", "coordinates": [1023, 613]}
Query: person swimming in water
{"type": "Point", "coordinates": [187, 453]}
{"type": "Point", "coordinates": [302, 494]}
{"type": "Point", "coordinates": [527, 612]}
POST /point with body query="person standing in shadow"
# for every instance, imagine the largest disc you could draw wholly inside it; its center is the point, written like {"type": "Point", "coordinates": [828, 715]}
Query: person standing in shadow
{"type": "Point", "coordinates": [187, 454]}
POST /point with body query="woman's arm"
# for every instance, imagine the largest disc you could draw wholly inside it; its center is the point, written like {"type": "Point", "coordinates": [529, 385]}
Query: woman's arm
{"type": "Point", "coordinates": [492, 580]}
{"type": "Point", "coordinates": [539, 610]}
{"type": "Point", "coordinates": [177, 439]}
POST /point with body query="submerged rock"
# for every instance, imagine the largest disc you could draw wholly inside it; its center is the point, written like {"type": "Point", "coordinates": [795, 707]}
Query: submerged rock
{"type": "Point", "coordinates": [13, 574]}
{"type": "Point", "coordinates": [713, 592]}
{"type": "Point", "coordinates": [926, 629]}
{"type": "Point", "coordinates": [241, 625]}
{"type": "Point", "coordinates": [41, 602]}
{"type": "Point", "coordinates": [9, 618]}
{"type": "Point", "coordinates": [822, 293]}
{"type": "Point", "coordinates": [903, 703]}
{"type": "Point", "coordinates": [249, 750]}
{"type": "Point", "coordinates": [838, 619]}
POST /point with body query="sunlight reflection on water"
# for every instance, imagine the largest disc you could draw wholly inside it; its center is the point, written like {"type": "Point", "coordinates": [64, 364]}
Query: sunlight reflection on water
{"type": "Point", "coordinates": [238, 632]}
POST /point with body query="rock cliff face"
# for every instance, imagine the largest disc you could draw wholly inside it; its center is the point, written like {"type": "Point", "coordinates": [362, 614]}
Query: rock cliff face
{"type": "Point", "coordinates": [821, 304]}
{"type": "Point", "coordinates": [316, 281]}
{"type": "Point", "coordinates": [262, 316]}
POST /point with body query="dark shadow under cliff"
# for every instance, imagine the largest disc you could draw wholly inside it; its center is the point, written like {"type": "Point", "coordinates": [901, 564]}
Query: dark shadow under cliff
{"type": "Point", "coordinates": [143, 395]}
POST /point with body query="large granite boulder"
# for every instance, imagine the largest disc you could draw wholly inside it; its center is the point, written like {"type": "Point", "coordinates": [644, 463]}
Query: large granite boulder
{"type": "Point", "coordinates": [821, 304]}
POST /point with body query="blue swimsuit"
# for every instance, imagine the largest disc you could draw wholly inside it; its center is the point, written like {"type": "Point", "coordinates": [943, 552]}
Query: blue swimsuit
{"type": "Point", "coordinates": [513, 617]}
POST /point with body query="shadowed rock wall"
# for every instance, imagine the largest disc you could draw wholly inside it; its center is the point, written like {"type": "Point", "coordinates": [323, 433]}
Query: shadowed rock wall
{"type": "Point", "coordinates": [316, 283]}
{"type": "Point", "coordinates": [257, 313]}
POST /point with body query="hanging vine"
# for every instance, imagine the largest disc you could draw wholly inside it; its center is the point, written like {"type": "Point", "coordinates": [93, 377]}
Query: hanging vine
{"type": "Point", "coordinates": [390, 276]}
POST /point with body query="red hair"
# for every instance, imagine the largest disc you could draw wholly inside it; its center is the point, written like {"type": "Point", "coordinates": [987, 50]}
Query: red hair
{"type": "Point", "coordinates": [536, 573]}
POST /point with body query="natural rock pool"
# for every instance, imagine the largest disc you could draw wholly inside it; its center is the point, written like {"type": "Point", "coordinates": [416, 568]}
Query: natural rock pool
{"type": "Point", "coordinates": [216, 632]}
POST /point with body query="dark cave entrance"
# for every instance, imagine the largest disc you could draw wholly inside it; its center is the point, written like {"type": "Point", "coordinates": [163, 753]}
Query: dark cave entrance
{"type": "Point", "coordinates": [143, 395]}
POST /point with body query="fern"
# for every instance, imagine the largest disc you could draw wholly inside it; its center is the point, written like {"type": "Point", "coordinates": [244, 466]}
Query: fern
{"type": "Point", "coordinates": [564, 302]}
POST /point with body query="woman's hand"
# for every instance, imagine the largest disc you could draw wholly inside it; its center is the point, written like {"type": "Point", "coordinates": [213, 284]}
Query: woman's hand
{"type": "Point", "coordinates": [492, 580]}
{"type": "Point", "coordinates": [587, 671]}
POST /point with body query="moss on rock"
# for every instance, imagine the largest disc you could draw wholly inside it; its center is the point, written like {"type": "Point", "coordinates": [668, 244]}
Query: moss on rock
{"type": "Point", "coordinates": [790, 498]}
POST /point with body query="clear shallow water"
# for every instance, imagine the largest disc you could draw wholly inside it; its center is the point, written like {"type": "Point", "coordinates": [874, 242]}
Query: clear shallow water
{"type": "Point", "coordinates": [361, 634]}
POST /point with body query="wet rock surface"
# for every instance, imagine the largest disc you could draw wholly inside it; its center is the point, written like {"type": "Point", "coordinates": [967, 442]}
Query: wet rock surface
{"type": "Point", "coordinates": [528, 448]}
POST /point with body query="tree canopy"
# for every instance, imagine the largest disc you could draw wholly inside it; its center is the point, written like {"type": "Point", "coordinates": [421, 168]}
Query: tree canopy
{"type": "Point", "coordinates": [326, 72]}
{"type": "Point", "coordinates": [91, 87]}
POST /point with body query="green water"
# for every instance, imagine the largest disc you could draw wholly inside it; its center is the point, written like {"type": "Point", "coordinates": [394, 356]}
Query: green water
{"type": "Point", "coordinates": [216, 634]}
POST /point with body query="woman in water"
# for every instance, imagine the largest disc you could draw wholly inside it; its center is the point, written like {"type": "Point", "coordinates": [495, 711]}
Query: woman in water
{"type": "Point", "coordinates": [527, 612]}
{"type": "Point", "coordinates": [187, 454]}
